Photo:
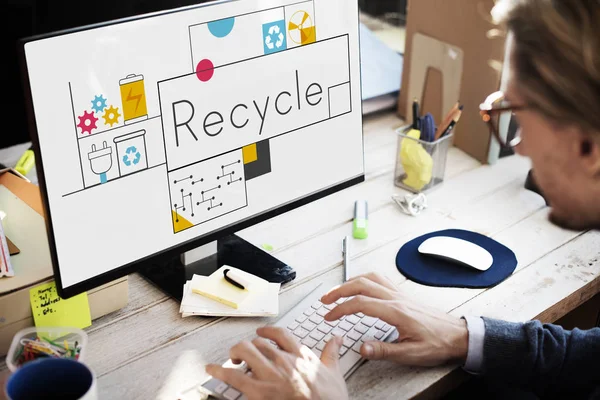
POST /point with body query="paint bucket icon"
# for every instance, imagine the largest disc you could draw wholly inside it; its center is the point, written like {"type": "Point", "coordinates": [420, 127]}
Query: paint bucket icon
{"type": "Point", "coordinates": [133, 98]}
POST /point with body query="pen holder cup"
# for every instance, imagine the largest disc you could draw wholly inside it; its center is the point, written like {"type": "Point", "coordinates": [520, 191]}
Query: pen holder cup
{"type": "Point", "coordinates": [33, 343]}
{"type": "Point", "coordinates": [420, 165]}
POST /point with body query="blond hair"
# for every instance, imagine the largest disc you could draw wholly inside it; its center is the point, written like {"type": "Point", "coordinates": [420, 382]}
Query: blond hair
{"type": "Point", "coordinates": [556, 57]}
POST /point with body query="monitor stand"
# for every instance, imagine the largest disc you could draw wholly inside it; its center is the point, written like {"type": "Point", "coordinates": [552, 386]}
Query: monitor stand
{"type": "Point", "coordinates": [232, 250]}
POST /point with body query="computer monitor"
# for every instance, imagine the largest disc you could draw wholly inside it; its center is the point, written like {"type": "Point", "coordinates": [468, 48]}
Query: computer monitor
{"type": "Point", "coordinates": [166, 131]}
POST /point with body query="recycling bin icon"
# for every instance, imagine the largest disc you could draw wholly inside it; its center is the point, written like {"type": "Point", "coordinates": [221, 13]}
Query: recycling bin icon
{"type": "Point", "coordinates": [131, 152]}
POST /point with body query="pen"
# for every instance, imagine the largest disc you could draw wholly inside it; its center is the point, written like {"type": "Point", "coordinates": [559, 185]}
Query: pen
{"type": "Point", "coordinates": [26, 162]}
{"type": "Point", "coordinates": [346, 259]}
{"type": "Point", "coordinates": [415, 114]}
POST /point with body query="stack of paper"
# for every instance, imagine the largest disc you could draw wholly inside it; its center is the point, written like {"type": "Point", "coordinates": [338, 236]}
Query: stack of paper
{"type": "Point", "coordinates": [209, 296]}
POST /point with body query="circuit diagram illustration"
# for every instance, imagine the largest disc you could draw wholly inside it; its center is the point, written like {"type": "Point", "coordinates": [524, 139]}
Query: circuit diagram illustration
{"type": "Point", "coordinates": [207, 190]}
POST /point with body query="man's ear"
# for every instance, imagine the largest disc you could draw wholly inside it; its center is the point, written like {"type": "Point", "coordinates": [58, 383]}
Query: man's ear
{"type": "Point", "coordinates": [589, 154]}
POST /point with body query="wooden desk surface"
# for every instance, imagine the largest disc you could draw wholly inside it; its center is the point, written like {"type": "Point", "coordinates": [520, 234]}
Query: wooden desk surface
{"type": "Point", "coordinates": [146, 350]}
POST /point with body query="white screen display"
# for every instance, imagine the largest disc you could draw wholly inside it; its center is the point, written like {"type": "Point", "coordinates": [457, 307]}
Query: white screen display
{"type": "Point", "coordinates": [161, 129]}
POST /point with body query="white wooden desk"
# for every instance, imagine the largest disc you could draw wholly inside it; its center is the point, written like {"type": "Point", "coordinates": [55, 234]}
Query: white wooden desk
{"type": "Point", "coordinates": [147, 350]}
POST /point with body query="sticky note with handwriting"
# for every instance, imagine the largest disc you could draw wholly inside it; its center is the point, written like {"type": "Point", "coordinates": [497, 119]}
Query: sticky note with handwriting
{"type": "Point", "coordinates": [49, 309]}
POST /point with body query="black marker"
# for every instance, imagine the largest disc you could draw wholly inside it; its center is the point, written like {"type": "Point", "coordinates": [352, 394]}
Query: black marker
{"type": "Point", "coordinates": [232, 281]}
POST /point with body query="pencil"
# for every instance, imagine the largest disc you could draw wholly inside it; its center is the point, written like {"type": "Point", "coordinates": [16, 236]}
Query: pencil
{"type": "Point", "coordinates": [446, 121]}
{"type": "Point", "coordinates": [452, 123]}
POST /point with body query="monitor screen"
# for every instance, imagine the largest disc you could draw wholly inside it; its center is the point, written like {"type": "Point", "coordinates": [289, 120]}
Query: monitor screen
{"type": "Point", "coordinates": [158, 133]}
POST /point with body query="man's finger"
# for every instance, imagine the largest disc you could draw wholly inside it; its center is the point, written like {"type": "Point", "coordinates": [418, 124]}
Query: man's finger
{"type": "Point", "coordinates": [378, 278]}
{"type": "Point", "coordinates": [272, 353]}
{"type": "Point", "coordinates": [383, 309]}
{"type": "Point", "coordinates": [234, 377]}
{"type": "Point", "coordinates": [330, 356]}
{"type": "Point", "coordinates": [255, 360]}
{"type": "Point", "coordinates": [402, 353]}
{"type": "Point", "coordinates": [359, 286]}
{"type": "Point", "coordinates": [280, 336]}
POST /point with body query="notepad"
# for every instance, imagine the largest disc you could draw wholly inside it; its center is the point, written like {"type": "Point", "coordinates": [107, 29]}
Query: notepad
{"type": "Point", "coordinates": [217, 288]}
{"type": "Point", "coordinates": [262, 298]}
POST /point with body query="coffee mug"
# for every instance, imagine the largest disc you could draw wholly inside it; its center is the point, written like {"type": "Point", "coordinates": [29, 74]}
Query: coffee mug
{"type": "Point", "coordinates": [52, 378]}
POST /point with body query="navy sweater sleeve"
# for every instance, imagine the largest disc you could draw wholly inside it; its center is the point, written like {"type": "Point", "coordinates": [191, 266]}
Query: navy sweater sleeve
{"type": "Point", "coordinates": [543, 358]}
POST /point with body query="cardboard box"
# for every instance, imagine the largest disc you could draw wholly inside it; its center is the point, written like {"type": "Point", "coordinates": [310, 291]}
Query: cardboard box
{"type": "Point", "coordinates": [24, 224]}
{"type": "Point", "coordinates": [464, 24]}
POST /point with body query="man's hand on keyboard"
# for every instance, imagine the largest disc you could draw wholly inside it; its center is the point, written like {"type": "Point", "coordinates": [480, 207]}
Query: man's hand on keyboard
{"type": "Point", "coordinates": [286, 371]}
{"type": "Point", "coordinates": [427, 337]}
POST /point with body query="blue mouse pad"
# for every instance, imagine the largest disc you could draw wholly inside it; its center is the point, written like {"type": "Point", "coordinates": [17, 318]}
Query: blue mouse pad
{"type": "Point", "coordinates": [431, 271]}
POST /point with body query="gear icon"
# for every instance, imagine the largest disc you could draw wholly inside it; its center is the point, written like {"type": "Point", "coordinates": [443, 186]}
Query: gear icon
{"type": "Point", "coordinates": [87, 122]}
{"type": "Point", "coordinates": [98, 104]}
{"type": "Point", "coordinates": [111, 116]}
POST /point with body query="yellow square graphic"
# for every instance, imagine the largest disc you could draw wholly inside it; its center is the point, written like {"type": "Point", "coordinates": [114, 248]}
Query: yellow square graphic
{"type": "Point", "coordinates": [249, 153]}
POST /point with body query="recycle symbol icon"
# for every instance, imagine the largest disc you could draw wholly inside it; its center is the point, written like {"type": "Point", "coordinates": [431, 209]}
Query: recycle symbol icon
{"type": "Point", "coordinates": [275, 37]}
{"type": "Point", "coordinates": [132, 156]}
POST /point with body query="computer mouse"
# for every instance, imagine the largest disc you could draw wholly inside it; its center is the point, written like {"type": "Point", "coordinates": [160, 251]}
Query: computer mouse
{"type": "Point", "coordinates": [457, 250]}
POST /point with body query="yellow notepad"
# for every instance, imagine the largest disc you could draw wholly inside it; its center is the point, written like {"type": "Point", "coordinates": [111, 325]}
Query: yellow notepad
{"type": "Point", "coordinates": [218, 289]}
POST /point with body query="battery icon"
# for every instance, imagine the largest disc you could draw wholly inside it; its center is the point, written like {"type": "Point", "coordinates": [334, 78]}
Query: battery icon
{"type": "Point", "coordinates": [133, 98]}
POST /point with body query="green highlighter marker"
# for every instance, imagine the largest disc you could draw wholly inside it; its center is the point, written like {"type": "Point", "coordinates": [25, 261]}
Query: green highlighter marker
{"type": "Point", "coordinates": [359, 226]}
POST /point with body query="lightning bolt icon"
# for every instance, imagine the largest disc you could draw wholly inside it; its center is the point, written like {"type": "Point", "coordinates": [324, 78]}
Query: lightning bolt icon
{"type": "Point", "coordinates": [131, 97]}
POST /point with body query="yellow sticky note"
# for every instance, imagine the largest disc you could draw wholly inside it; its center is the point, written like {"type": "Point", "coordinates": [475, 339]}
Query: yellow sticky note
{"type": "Point", "coordinates": [49, 309]}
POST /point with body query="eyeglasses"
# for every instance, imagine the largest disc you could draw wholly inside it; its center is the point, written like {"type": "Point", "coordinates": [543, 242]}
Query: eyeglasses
{"type": "Point", "coordinates": [497, 112]}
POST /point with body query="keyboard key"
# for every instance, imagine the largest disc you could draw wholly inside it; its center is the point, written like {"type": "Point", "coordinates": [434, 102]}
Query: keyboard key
{"type": "Point", "coordinates": [361, 328]}
{"type": "Point", "coordinates": [340, 300]}
{"type": "Point", "coordinates": [317, 335]}
{"type": "Point", "coordinates": [343, 350]}
{"type": "Point", "coordinates": [333, 323]}
{"type": "Point", "coordinates": [231, 394]}
{"type": "Point", "coordinates": [345, 326]}
{"type": "Point", "coordinates": [370, 335]}
{"type": "Point", "coordinates": [353, 319]}
{"type": "Point", "coordinates": [379, 324]}
{"type": "Point", "coordinates": [354, 335]}
{"type": "Point", "coordinates": [316, 305]}
{"type": "Point", "coordinates": [320, 345]}
{"type": "Point", "coordinates": [301, 318]}
{"type": "Point", "coordinates": [293, 326]}
{"type": "Point", "coordinates": [368, 321]}
{"type": "Point", "coordinates": [327, 337]}
{"type": "Point", "coordinates": [360, 315]}
{"type": "Point", "coordinates": [221, 388]}
{"type": "Point", "coordinates": [309, 342]}
{"type": "Point", "coordinates": [322, 311]}
{"type": "Point", "coordinates": [309, 326]}
{"type": "Point", "coordinates": [349, 360]}
{"type": "Point", "coordinates": [330, 306]}
{"type": "Point", "coordinates": [386, 327]}
{"type": "Point", "coordinates": [315, 319]}
{"type": "Point", "coordinates": [309, 312]}
{"type": "Point", "coordinates": [317, 352]}
{"type": "Point", "coordinates": [301, 332]}
{"type": "Point", "coordinates": [323, 327]}
{"type": "Point", "coordinates": [338, 332]}
{"type": "Point", "coordinates": [357, 347]}
{"type": "Point", "coordinates": [348, 342]}
{"type": "Point", "coordinates": [379, 335]}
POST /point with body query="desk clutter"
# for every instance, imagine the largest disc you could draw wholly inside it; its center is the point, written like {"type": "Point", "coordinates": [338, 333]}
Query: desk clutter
{"type": "Point", "coordinates": [422, 149]}
{"type": "Point", "coordinates": [35, 343]}
{"type": "Point", "coordinates": [230, 292]}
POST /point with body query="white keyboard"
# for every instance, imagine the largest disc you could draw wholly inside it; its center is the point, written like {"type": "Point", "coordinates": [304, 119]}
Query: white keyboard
{"type": "Point", "coordinates": [305, 321]}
